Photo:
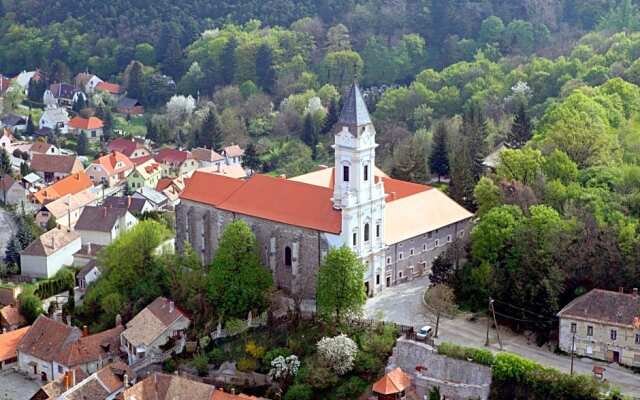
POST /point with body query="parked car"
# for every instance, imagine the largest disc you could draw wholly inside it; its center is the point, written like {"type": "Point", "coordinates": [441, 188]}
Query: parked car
{"type": "Point", "coordinates": [424, 332]}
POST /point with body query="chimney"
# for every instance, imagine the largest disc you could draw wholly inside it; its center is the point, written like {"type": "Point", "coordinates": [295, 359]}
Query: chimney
{"type": "Point", "coordinates": [171, 306]}
{"type": "Point", "coordinates": [233, 391]}
{"type": "Point", "coordinates": [67, 381]}
{"type": "Point", "coordinates": [85, 330]}
{"type": "Point", "coordinates": [635, 291]}
{"type": "Point", "coordinates": [72, 376]}
{"type": "Point", "coordinates": [620, 289]}
{"type": "Point", "coordinates": [126, 381]}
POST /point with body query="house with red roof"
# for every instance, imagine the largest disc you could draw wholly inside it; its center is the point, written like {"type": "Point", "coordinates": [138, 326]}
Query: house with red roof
{"type": "Point", "coordinates": [176, 162]}
{"type": "Point", "coordinates": [92, 127]}
{"type": "Point", "coordinates": [112, 88]}
{"type": "Point", "coordinates": [110, 170]}
{"type": "Point", "coordinates": [395, 228]}
{"type": "Point", "coordinates": [134, 148]}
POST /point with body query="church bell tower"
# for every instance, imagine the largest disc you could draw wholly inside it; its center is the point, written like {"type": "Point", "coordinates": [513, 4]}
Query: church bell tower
{"type": "Point", "coordinates": [357, 192]}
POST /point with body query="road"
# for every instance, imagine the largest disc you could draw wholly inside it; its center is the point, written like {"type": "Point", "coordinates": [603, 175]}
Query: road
{"type": "Point", "coordinates": [7, 229]}
{"type": "Point", "coordinates": [402, 304]}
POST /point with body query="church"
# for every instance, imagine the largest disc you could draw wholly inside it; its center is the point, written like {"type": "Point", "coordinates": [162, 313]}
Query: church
{"type": "Point", "coordinates": [396, 228]}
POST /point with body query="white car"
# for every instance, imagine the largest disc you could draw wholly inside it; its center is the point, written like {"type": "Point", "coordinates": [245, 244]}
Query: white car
{"type": "Point", "coordinates": [424, 332]}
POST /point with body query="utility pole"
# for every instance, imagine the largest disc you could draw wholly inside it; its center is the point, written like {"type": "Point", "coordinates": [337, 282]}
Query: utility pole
{"type": "Point", "coordinates": [486, 342]}
{"type": "Point", "coordinates": [573, 348]}
{"type": "Point", "coordinates": [495, 321]}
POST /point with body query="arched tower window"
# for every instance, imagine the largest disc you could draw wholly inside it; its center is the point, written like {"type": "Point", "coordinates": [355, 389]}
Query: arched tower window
{"type": "Point", "coordinates": [366, 232]}
{"type": "Point", "coordinates": [366, 172]}
{"type": "Point", "coordinates": [287, 256]}
{"type": "Point", "coordinates": [345, 173]}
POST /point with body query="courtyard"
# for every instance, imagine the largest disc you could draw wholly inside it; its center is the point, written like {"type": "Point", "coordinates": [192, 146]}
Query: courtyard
{"type": "Point", "coordinates": [14, 386]}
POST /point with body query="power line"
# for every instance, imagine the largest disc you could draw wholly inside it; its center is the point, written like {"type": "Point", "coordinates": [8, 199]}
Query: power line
{"type": "Point", "coordinates": [524, 309]}
{"type": "Point", "coordinates": [523, 320]}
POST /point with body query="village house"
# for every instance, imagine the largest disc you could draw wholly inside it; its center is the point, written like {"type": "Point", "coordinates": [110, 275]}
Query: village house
{"type": "Point", "coordinates": [67, 209]}
{"type": "Point", "coordinates": [157, 330]}
{"type": "Point", "coordinates": [110, 170]}
{"type": "Point", "coordinates": [87, 82]}
{"type": "Point", "coordinates": [8, 344]}
{"type": "Point", "coordinates": [133, 148]}
{"type": "Point", "coordinates": [233, 154]}
{"type": "Point", "coordinates": [106, 384]}
{"type": "Point", "coordinates": [46, 255]}
{"type": "Point", "coordinates": [10, 318]}
{"type": "Point", "coordinates": [65, 94]}
{"type": "Point", "coordinates": [603, 325]}
{"type": "Point", "coordinates": [50, 349]}
{"type": "Point", "coordinates": [157, 200]}
{"type": "Point", "coordinates": [236, 171]}
{"type": "Point", "coordinates": [88, 274]}
{"type": "Point", "coordinates": [396, 228]}
{"type": "Point", "coordinates": [113, 89]}
{"type": "Point", "coordinates": [134, 205]}
{"type": "Point", "coordinates": [207, 157]}
{"type": "Point", "coordinates": [6, 140]}
{"type": "Point", "coordinates": [91, 127]}
{"type": "Point", "coordinates": [159, 386]}
{"type": "Point", "coordinates": [24, 78]}
{"type": "Point", "coordinates": [55, 167]}
{"type": "Point", "coordinates": [54, 388]}
{"type": "Point", "coordinates": [130, 106]}
{"type": "Point", "coordinates": [176, 163]}
{"type": "Point", "coordinates": [70, 185]}
{"type": "Point", "coordinates": [145, 175]}
{"type": "Point", "coordinates": [12, 192]}
{"type": "Point", "coordinates": [15, 123]}
{"type": "Point", "coordinates": [103, 225]}
{"type": "Point", "coordinates": [88, 253]}
{"type": "Point", "coordinates": [171, 188]}
{"type": "Point", "coordinates": [55, 118]}
{"type": "Point", "coordinates": [39, 147]}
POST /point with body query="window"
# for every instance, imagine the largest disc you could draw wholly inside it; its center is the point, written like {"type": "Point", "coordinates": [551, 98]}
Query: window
{"type": "Point", "coordinates": [366, 172]}
{"type": "Point", "coordinates": [378, 279]}
{"type": "Point", "coordinates": [589, 330]}
{"type": "Point", "coordinates": [424, 247]}
{"type": "Point", "coordinates": [287, 256]}
{"type": "Point", "coordinates": [637, 338]}
{"type": "Point", "coordinates": [388, 260]}
{"type": "Point", "coordinates": [411, 252]}
{"type": "Point", "coordinates": [461, 233]}
{"type": "Point", "coordinates": [574, 327]}
{"type": "Point", "coordinates": [429, 235]}
{"type": "Point", "coordinates": [345, 173]}
{"type": "Point", "coordinates": [400, 255]}
{"type": "Point", "coordinates": [614, 334]}
{"type": "Point", "coordinates": [366, 232]}
{"type": "Point", "coordinates": [589, 349]}
{"type": "Point", "coordinates": [400, 274]}
{"type": "Point", "coordinates": [60, 369]}
{"type": "Point", "coordinates": [437, 242]}
{"type": "Point", "coordinates": [378, 230]}
{"type": "Point", "coordinates": [448, 238]}
{"type": "Point", "coordinates": [355, 238]}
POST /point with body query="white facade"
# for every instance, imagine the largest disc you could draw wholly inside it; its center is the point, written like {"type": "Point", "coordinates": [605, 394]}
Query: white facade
{"type": "Point", "coordinates": [123, 224]}
{"type": "Point", "coordinates": [90, 87]}
{"type": "Point", "coordinates": [53, 118]}
{"type": "Point", "coordinates": [175, 330]}
{"type": "Point", "coordinates": [47, 266]}
{"type": "Point", "coordinates": [361, 199]}
{"type": "Point", "coordinates": [16, 194]}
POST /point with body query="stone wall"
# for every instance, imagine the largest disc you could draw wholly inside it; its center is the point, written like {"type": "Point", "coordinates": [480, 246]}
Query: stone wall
{"type": "Point", "coordinates": [457, 379]}
{"type": "Point", "coordinates": [202, 227]}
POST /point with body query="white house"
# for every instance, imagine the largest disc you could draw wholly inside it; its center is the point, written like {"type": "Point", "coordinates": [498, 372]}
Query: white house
{"type": "Point", "coordinates": [12, 192]}
{"type": "Point", "coordinates": [64, 349]}
{"type": "Point", "coordinates": [233, 154]}
{"type": "Point", "coordinates": [160, 322]}
{"type": "Point", "coordinates": [49, 253]}
{"type": "Point", "coordinates": [157, 200]}
{"type": "Point", "coordinates": [53, 118]}
{"type": "Point", "coordinates": [103, 225]}
{"type": "Point", "coordinates": [88, 274]}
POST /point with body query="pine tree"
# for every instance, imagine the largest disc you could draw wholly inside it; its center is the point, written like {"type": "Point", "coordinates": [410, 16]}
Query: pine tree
{"type": "Point", "coordinates": [24, 169]}
{"type": "Point", "coordinates": [439, 157]}
{"type": "Point", "coordinates": [24, 234]}
{"type": "Point", "coordinates": [134, 87]}
{"type": "Point", "coordinates": [80, 104]}
{"type": "Point", "coordinates": [441, 270]}
{"type": "Point", "coordinates": [228, 61]}
{"type": "Point", "coordinates": [173, 60]}
{"type": "Point", "coordinates": [12, 253]}
{"type": "Point", "coordinates": [462, 179]}
{"type": "Point", "coordinates": [264, 68]}
{"type": "Point", "coordinates": [82, 147]}
{"type": "Point", "coordinates": [520, 132]}
{"type": "Point", "coordinates": [5, 163]}
{"type": "Point", "coordinates": [36, 90]}
{"type": "Point", "coordinates": [332, 116]}
{"type": "Point", "coordinates": [152, 131]}
{"type": "Point", "coordinates": [310, 134]}
{"type": "Point", "coordinates": [251, 159]}
{"type": "Point", "coordinates": [210, 134]}
{"type": "Point", "coordinates": [474, 132]}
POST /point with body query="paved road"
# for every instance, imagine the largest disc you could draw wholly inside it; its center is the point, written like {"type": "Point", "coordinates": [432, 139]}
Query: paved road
{"type": "Point", "coordinates": [7, 229]}
{"type": "Point", "coordinates": [403, 305]}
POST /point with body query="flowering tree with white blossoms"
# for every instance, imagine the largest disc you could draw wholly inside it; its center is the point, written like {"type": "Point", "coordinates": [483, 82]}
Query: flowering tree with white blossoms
{"type": "Point", "coordinates": [338, 353]}
{"type": "Point", "coordinates": [284, 368]}
{"type": "Point", "coordinates": [180, 108]}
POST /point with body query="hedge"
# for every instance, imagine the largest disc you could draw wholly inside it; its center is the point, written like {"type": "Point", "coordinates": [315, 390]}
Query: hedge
{"type": "Point", "coordinates": [479, 356]}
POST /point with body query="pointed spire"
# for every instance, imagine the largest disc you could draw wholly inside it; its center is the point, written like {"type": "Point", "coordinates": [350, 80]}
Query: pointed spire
{"type": "Point", "coordinates": [354, 110]}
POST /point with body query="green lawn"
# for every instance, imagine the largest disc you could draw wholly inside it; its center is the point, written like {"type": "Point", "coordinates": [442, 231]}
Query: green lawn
{"type": "Point", "coordinates": [134, 126]}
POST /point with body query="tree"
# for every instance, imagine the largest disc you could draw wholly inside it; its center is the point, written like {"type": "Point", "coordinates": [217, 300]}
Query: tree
{"type": "Point", "coordinates": [238, 282]}
{"type": "Point", "coordinates": [79, 104]}
{"type": "Point", "coordinates": [521, 130]}
{"type": "Point", "coordinates": [12, 253]}
{"type": "Point", "coordinates": [145, 53]}
{"type": "Point", "coordinates": [173, 59]}
{"type": "Point", "coordinates": [135, 81]}
{"type": "Point", "coordinates": [51, 223]}
{"type": "Point", "coordinates": [486, 195]}
{"type": "Point", "coordinates": [5, 163]}
{"type": "Point", "coordinates": [210, 135]}
{"type": "Point", "coordinates": [337, 353]}
{"type": "Point", "coordinates": [340, 290]}
{"type": "Point", "coordinates": [251, 159]}
{"type": "Point", "coordinates": [341, 68]}
{"type": "Point", "coordinates": [228, 60]}
{"type": "Point", "coordinates": [24, 169]}
{"type": "Point", "coordinates": [434, 393]}
{"type": "Point", "coordinates": [440, 299]}
{"type": "Point", "coordinates": [25, 234]}
{"type": "Point", "coordinates": [523, 165]}
{"type": "Point", "coordinates": [264, 68]}
{"type": "Point", "coordinates": [332, 116]}
{"type": "Point", "coordinates": [82, 147]}
{"type": "Point", "coordinates": [491, 30]}
{"type": "Point", "coordinates": [409, 161]}
{"type": "Point", "coordinates": [441, 270]}
{"type": "Point", "coordinates": [30, 306]}
{"type": "Point", "coordinates": [338, 38]}
{"type": "Point", "coordinates": [30, 126]}
{"type": "Point", "coordinates": [439, 157]}
{"type": "Point", "coordinates": [310, 133]}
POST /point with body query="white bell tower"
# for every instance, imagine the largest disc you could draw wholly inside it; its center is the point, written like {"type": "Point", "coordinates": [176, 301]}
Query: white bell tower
{"type": "Point", "coordinates": [357, 191]}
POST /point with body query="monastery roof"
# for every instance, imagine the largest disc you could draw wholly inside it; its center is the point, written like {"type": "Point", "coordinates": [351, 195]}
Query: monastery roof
{"type": "Point", "coordinates": [275, 199]}
{"type": "Point", "coordinates": [605, 306]}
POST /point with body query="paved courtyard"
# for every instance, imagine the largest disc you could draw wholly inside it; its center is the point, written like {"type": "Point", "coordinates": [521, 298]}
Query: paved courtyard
{"type": "Point", "coordinates": [14, 386]}
{"type": "Point", "coordinates": [402, 304]}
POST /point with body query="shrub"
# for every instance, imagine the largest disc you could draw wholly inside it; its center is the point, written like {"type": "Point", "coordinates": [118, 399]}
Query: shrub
{"type": "Point", "coordinates": [338, 353]}
{"type": "Point", "coordinates": [169, 365]}
{"type": "Point", "coordinates": [368, 364]}
{"type": "Point", "coordinates": [254, 350]}
{"type": "Point", "coordinates": [274, 353]}
{"type": "Point", "coordinates": [299, 392]}
{"type": "Point", "coordinates": [247, 364]}
{"type": "Point", "coordinates": [316, 375]}
{"type": "Point", "coordinates": [351, 389]}
{"type": "Point", "coordinates": [217, 356]}
{"type": "Point", "coordinates": [284, 368]}
{"type": "Point", "coordinates": [479, 356]}
{"type": "Point", "coordinates": [201, 364]}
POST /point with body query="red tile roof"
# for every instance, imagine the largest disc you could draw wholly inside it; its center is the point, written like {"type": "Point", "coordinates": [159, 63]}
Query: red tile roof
{"type": "Point", "coordinates": [110, 163]}
{"type": "Point", "coordinates": [112, 88]}
{"type": "Point", "coordinates": [9, 342]}
{"type": "Point", "coordinates": [274, 199]}
{"type": "Point", "coordinates": [125, 146]}
{"type": "Point", "coordinates": [99, 346]}
{"type": "Point", "coordinates": [394, 382]}
{"type": "Point", "coordinates": [173, 156]}
{"type": "Point", "coordinates": [55, 163]}
{"type": "Point", "coordinates": [47, 339]}
{"type": "Point", "coordinates": [72, 184]}
{"type": "Point", "coordinates": [396, 189]}
{"type": "Point", "coordinates": [11, 314]}
{"type": "Point", "coordinates": [141, 160]}
{"type": "Point", "coordinates": [86, 123]}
